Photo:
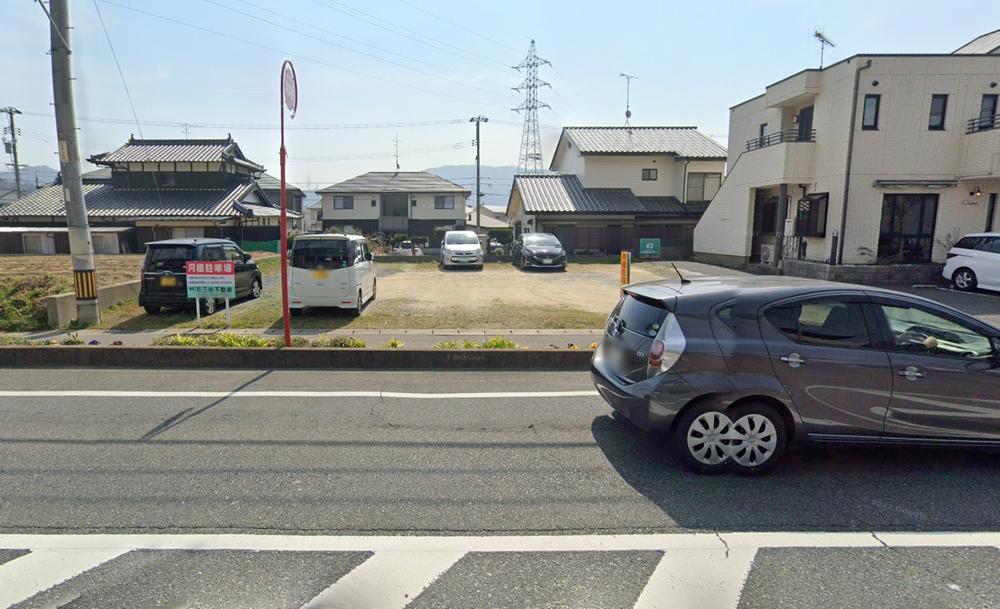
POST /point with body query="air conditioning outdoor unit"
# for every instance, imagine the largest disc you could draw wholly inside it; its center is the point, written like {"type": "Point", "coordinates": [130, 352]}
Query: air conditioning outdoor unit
{"type": "Point", "coordinates": [766, 254]}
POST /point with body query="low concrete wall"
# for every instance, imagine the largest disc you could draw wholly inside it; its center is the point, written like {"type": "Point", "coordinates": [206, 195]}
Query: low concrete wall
{"type": "Point", "coordinates": [725, 260]}
{"type": "Point", "coordinates": [869, 274]}
{"type": "Point", "coordinates": [330, 359]}
{"type": "Point", "coordinates": [62, 307]}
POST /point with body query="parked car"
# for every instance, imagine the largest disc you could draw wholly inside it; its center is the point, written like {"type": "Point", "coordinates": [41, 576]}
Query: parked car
{"type": "Point", "coordinates": [461, 248]}
{"type": "Point", "coordinates": [733, 370]}
{"type": "Point", "coordinates": [538, 250]}
{"type": "Point", "coordinates": [164, 276]}
{"type": "Point", "coordinates": [330, 271]}
{"type": "Point", "coordinates": [974, 262]}
{"type": "Point", "coordinates": [407, 248]}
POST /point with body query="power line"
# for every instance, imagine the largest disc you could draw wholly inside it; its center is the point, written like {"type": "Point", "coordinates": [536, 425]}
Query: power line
{"type": "Point", "coordinates": [348, 48]}
{"type": "Point", "coordinates": [459, 26]}
{"type": "Point", "coordinates": [296, 55]}
{"type": "Point", "coordinates": [384, 154]}
{"type": "Point", "coordinates": [400, 30]}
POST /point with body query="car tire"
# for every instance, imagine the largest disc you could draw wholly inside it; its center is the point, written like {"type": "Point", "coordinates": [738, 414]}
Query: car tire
{"type": "Point", "coordinates": [374, 289]}
{"type": "Point", "coordinates": [356, 311]}
{"type": "Point", "coordinates": [296, 312]}
{"type": "Point", "coordinates": [480, 267]}
{"type": "Point", "coordinates": [152, 309]}
{"type": "Point", "coordinates": [255, 288]}
{"type": "Point", "coordinates": [208, 307]}
{"type": "Point", "coordinates": [703, 422]}
{"type": "Point", "coordinates": [758, 438]}
{"type": "Point", "coordinates": [964, 279]}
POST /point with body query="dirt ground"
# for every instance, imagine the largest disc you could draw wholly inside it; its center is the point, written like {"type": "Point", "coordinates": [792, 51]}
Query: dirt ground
{"type": "Point", "coordinates": [590, 287]}
{"type": "Point", "coordinates": [110, 269]}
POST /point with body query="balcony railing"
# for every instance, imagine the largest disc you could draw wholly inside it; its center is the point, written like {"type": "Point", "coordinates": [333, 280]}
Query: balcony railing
{"type": "Point", "coordinates": [983, 123]}
{"type": "Point", "coordinates": [780, 137]}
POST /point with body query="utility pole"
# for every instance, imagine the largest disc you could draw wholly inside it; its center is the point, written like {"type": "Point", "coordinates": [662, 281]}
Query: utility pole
{"type": "Point", "coordinates": [81, 248]}
{"type": "Point", "coordinates": [530, 158]}
{"type": "Point", "coordinates": [11, 111]}
{"type": "Point", "coordinates": [479, 192]}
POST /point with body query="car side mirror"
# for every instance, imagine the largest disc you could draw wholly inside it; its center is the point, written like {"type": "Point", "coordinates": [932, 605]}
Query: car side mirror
{"type": "Point", "coordinates": [369, 256]}
{"type": "Point", "coordinates": [247, 257]}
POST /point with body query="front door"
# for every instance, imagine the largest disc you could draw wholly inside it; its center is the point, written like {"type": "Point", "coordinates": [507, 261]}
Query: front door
{"type": "Point", "coordinates": [838, 378]}
{"type": "Point", "coordinates": [395, 212]}
{"type": "Point", "coordinates": [244, 272]}
{"type": "Point", "coordinates": [765, 210]}
{"type": "Point", "coordinates": [907, 231]}
{"type": "Point", "coordinates": [946, 373]}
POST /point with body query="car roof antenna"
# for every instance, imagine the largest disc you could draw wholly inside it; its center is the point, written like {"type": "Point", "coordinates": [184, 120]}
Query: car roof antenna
{"type": "Point", "coordinates": [676, 270]}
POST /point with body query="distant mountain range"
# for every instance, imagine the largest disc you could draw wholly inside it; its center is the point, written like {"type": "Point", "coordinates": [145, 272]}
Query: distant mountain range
{"type": "Point", "coordinates": [495, 180]}
{"type": "Point", "coordinates": [42, 173]}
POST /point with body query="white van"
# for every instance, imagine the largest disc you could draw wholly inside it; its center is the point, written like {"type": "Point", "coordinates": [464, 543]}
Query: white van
{"type": "Point", "coordinates": [974, 262]}
{"type": "Point", "coordinates": [330, 271]}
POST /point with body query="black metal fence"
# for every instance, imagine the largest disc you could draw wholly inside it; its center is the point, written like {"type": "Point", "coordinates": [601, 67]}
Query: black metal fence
{"type": "Point", "coordinates": [982, 123]}
{"type": "Point", "coordinates": [780, 137]}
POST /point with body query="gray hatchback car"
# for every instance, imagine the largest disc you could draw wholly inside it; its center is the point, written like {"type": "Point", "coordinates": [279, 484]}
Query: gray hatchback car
{"type": "Point", "coordinates": [734, 369]}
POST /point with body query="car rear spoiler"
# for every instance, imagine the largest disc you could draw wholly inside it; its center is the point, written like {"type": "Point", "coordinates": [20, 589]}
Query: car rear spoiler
{"type": "Point", "coordinates": [653, 294]}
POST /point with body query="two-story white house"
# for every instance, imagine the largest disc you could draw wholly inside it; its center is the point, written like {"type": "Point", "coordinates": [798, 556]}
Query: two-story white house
{"type": "Point", "coordinates": [415, 203]}
{"type": "Point", "coordinates": [612, 186]}
{"type": "Point", "coordinates": [870, 168]}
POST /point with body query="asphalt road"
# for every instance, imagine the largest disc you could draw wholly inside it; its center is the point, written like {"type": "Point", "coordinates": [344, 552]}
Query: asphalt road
{"type": "Point", "coordinates": [395, 463]}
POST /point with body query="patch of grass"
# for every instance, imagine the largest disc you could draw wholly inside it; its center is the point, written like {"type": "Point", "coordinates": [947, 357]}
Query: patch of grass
{"type": "Point", "coordinates": [221, 339]}
{"type": "Point", "coordinates": [447, 344]}
{"type": "Point", "coordinates": [72, 339]}
{"type": "Point", "coordinates": [339, 342]}
{"type": "Point", "coordinates": [494, 342]}
{"type": "Point", "coordinates": [394, 343]}
{"type": "Point", "coordinates": [22, 301]}
{"type": "Point", "coordinates": [12, 341]}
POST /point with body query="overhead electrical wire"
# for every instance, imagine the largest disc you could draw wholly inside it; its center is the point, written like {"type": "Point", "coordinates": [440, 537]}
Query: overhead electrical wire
{"type": "Point", "coordinates": [459, 26]}
{"type": "Point", "coordinates": [298, 56]}
{"type": "Point", "coordinates": [453, 81]}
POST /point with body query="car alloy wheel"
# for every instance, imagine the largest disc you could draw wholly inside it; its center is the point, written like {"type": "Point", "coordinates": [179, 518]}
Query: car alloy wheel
{"type": "Point", "coordinates": [964, 279]}
{"type": "Point", "coordinates": [757, 438]}
{"type": "Point", "coordinates": [208, 307]}
{"type": "Point", "coordinates": [708, 438]}
{"type": "Point", "coordinates": [255, 288]}
{"type": "Point", "coordinates": [753, 440]}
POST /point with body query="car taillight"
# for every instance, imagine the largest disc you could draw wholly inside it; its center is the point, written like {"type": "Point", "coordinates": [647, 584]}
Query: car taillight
{"type": "Point", "coordinates": [656, 353]}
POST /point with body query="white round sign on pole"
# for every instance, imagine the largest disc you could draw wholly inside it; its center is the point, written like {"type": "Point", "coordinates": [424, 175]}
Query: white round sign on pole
{"type": "Point", "coordinates": [291, 88]}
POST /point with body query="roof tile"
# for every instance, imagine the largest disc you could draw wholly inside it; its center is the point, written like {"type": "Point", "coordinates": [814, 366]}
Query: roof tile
{"type": "Point", "coordinates": [686, 142]}
{"type": "Point", "coordinates": [401, 181]}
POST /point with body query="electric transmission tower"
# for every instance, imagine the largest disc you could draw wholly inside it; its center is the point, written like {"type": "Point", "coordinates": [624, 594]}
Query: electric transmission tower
{"type": "Point", "coordinates": [530, 158]}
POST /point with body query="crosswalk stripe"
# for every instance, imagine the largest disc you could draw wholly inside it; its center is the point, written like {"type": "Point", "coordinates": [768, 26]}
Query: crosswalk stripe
{"type": "Point", "coordinates": [696, 579]}
{"type": "Point", "coordinates": [387, 580]}
{"type": "Point", "coordinates": [23, 577]}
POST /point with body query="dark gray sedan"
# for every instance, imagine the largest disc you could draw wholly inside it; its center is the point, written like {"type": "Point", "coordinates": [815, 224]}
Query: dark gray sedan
{"type": "Point", "coordinates": [735, 369]}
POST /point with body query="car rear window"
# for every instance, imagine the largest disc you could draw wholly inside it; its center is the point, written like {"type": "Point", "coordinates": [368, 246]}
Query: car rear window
{"type": "Point", "coordinates": [971, 243]}
{"type": "Point", "coordinates": [321, 254]}
{"type": "Point", "coordinates": [641, 316]}
{"type": "Point", "coordinates": [167, 257]}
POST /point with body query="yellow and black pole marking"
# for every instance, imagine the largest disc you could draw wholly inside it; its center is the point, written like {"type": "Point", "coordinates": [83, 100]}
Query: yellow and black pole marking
{"type": "Point", "coordinates": [85, 283]}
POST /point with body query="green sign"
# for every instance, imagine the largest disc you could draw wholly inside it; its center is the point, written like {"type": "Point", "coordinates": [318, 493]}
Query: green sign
{"type": "Point", "coordinates": [649, 248]}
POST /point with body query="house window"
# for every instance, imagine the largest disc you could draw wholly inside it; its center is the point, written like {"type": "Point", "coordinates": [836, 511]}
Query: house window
{"type": "Point", "coordinates": [907, 231]}
{"type": "Point", "coordinates": [869, 116]}
{"type": "Point", "coordinates": [343, 202]}
{"type": "Point", "coordinates": [762, 131]}
{"type": "Point", "coordinates": [163, 179]}
{"type": "Point", "coordinates": [374, 203]}
{"type": "Point", "coordinates": [702, 186]}
{"type": "Point", "coordinates": [649, 174]}
{"type": "Point", "coordinates": [444, 202]}
{"type": "Point", "coordinates": [811, 218]}
{"type": "Point", "coordinates": [939, 106]}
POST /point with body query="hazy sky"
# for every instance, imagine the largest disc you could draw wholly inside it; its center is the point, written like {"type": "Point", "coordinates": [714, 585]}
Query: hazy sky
{"type": "Point", "coordinates": [392, 61]}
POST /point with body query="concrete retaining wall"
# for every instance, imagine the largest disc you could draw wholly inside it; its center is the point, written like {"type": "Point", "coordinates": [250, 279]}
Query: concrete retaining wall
{"type": "Point", "coordinates": [62, 307]}
{"type": "Point", "coordinates": [331, 359]}
{"type": "Point", "coordinates": [868, 274]}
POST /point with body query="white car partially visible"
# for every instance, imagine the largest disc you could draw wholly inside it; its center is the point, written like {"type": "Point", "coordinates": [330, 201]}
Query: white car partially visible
{"type": "Point", "coordinates": [461, 248]}
{"type": "Point", "coordinates": [974, 262]}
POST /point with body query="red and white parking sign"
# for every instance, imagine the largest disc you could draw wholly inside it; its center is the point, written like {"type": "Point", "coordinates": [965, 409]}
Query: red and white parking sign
{"type": "Point", "coordinates": [216, 279]}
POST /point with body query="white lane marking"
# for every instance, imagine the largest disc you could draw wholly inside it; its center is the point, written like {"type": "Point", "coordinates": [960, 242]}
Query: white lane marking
{"type": "Point", "coordinates": [24, 577]}
{"type": "Point", "coordinates": [387, 580]}
{"type": "Point", "coordinates": [516, 543]}
{"type": "Point", "coordinates": [696, 579]}
{"type": "Point", "coordinates": [297, 394]}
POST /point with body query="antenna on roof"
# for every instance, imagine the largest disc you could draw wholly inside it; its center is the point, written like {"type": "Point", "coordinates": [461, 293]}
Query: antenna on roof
{"type": "Point", "coordinates": [628, 90]}
{"type": "Point", "coordinates": [395, 140]}
{"type": "Point", "coordinates": [676, 270]}
{"type": "Point", "coordinates": [823, 43]}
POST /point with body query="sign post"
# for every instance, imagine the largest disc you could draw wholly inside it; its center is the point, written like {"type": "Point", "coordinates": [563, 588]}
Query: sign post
{"type": "Point", "coordinates": [289, 99]}
{"type": "Point", "coordinates": [626, 268]}
{"type": "Point", "coordinates": [213, 280]}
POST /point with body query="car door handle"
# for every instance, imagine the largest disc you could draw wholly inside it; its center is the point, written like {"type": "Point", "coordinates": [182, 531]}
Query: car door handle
{"type": "Point", "coordinates": [911, 373]}
{"type": "Point", "coordinates": [793, 360]}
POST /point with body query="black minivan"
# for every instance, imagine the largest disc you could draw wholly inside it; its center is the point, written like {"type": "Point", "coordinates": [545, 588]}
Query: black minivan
{"type": "Point", "coordinates": [164, 277]}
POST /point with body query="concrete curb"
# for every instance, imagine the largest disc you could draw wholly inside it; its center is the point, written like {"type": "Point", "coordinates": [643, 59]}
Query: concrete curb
{"type": "Point", "coordinates": [294, 358]}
